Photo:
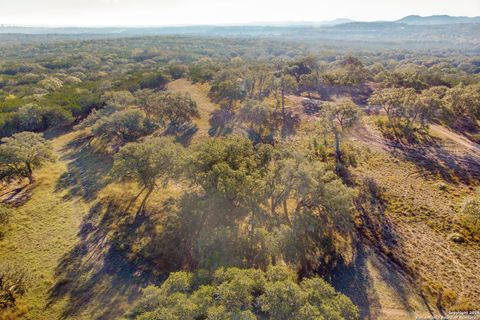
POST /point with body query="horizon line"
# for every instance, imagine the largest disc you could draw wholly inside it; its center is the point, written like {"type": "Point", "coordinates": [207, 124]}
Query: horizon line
{"type": "Point", "coordinates": [239, 24]}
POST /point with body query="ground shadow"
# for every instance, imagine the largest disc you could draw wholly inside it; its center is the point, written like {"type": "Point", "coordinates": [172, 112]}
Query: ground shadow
{"type": "Point", "coordinates": [95, 275]}
{"type": "Point", "coordinates": [435, 160]}
{"type": "Point", "coordinates": [358, 93]}
{"type": "Point", "coordinates": [87, 170]}
{"type": "Point", "coordinates": [221, 122]}
{"type": "Point", "coordinates": [374, 260]}
{"type": "Point", "coordinates": [355, 282]}
{"type": "Point", "coordinates": [185, 133]}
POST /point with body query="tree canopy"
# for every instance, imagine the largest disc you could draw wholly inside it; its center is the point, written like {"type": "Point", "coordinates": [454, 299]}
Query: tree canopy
{"type": "Point", "coordinates": [243, 294]}
{"type": "Point", "coordinates": [22, 153]}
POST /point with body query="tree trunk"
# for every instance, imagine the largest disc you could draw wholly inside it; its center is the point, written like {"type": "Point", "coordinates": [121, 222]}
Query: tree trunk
{"type": "Point", "coordinates": [285, 212]}
{"type": "Point", "coordinates": [338, 154]}
{"type": "Point", "coordinates": [144, 201]}
{"type": "Point", "coordinates": [251, 236]}
{"type": "Point", "coordinates": [272, 206]}
{"type": "Point", "coordinates": [283, 106]}
{"type": "Point", "coordinates": [134, 199]}
{"type": "Point", "coordinates": [29, 172]}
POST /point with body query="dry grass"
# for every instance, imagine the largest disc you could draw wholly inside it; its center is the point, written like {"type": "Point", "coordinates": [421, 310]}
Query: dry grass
{"type": "Point", "coordinates": [199, 93]}
{"type": "Point", "coordinates": [421, 207]}
{"type": "Point", "coordinates": [41, 231]}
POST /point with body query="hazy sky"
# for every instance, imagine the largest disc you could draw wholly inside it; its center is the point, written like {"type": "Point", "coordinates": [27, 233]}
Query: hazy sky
{"type": "Point", "coordinates": [181, 12]}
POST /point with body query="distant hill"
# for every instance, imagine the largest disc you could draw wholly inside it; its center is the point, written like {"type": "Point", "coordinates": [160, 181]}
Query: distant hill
{"type": "Point", "coordinates": [336, 22]}
{"type": "Point", "coordinates": [412, 32]}
{"type": "Point", "coordinates": [437, 20]}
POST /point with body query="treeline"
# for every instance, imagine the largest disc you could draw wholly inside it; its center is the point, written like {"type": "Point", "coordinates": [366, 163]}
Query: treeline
{"type": "Point", "coordinates": [64, 81]}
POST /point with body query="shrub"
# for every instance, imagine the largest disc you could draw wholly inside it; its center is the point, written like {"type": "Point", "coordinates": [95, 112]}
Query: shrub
{"type": "Point", "coordinates": [470, 215]}
{"type": "Point", "coordinates": [13, 285]}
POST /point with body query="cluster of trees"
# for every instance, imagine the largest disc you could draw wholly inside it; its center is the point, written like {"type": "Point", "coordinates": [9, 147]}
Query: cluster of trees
{"type": "Point", "coordinates": [127, 117]}
{"type": "Point", "coordinates": [267, 203]}
{"type": "Point", "coordinates": [63, 88]}
{"type": "Point", "coordinates": [261, 201]}
{"type": "Point", "coordinates": [408, 110]}
{"type": "Point", "coordinates": [243, 294]}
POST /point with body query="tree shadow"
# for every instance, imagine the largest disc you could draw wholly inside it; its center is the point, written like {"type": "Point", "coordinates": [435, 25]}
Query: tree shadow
{"type": "Point", "coordinates": [221, 122]}
{"type": "Point", "coordinates": [290, 125]}
{"type": "Point", "coordinates": [358, 282]}
{"type": "Point", "coordinates": [374, 261]}
{"type": "Point", "coordinates": [17, 196]}
{"type": "Point", "coordinates": [374, 225]}
{"type": "Point", "coordinates": [435, 160]}
{"type": "Point", "coordinates": [354, 281]}
{"type": "Point", "coordinates": [185, 133]}
{"type": "Point", "coordinates": [87, 170]}
{"type": "Point", "coordinates": [95, 276]}
{"type": "Point", "coordinates": [358, 93]}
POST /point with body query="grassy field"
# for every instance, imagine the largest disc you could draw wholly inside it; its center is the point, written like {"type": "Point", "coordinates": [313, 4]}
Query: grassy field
{"type": "Point", "coordinates": [62, 234]}
{"type": "Point", "coordinates": [41, 232]}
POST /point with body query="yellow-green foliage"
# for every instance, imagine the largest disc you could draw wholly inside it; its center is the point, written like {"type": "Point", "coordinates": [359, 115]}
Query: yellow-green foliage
{"type": "Point", "coordinates": [471, 215]}
{"type": "Point", "coordinates": [243, 294]}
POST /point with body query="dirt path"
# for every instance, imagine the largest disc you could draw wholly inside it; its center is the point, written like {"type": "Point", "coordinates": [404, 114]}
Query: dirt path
{"type": "Point", "coordinates": [199, 93]}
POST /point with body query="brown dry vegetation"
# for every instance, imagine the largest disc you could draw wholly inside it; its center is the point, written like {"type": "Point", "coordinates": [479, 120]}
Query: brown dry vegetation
{"type": "Point", "coordinates": [422, 190]}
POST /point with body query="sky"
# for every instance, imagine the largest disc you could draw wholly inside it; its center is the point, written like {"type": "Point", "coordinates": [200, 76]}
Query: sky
{"type": "Point", "coordinates": [202, 12]}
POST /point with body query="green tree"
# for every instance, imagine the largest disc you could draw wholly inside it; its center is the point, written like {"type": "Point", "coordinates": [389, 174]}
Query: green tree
{"type": "Point", "coordinates": [244, 294]}
{"type": "Point", "coordinates": [228, 89]}
{"type": "Point", "coordinates": [322, 221]}
{"type": "Point", "coordinates": [394, 101]}
{"type": "Point", "coordinates": [355, 71]}
{"type": "Point", "coordinates": [118, 99]}
{"type": "Point", "coordinates": [309, 83]}
{"type": "Point", "coordinates": [22, 153]}
{"type": "Point", "coordinates": [259, 120]}
{"type": "Point", "coordinates": [282, 300]}
{"type": "Point", "coordinates": [174, 109]}
{"type": "Point", "coordinates": [151, 163]}
{"type": "Point", "coordinates": [32, 117]}
{"type": "Point", "coordinates": [122, 127]}
{"type": "Point", "coordinates": [463, 103]}
{"type": "Point", "coordinates": [286, 85]}
{"type": "Point", "coordinates": [339, 117]}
